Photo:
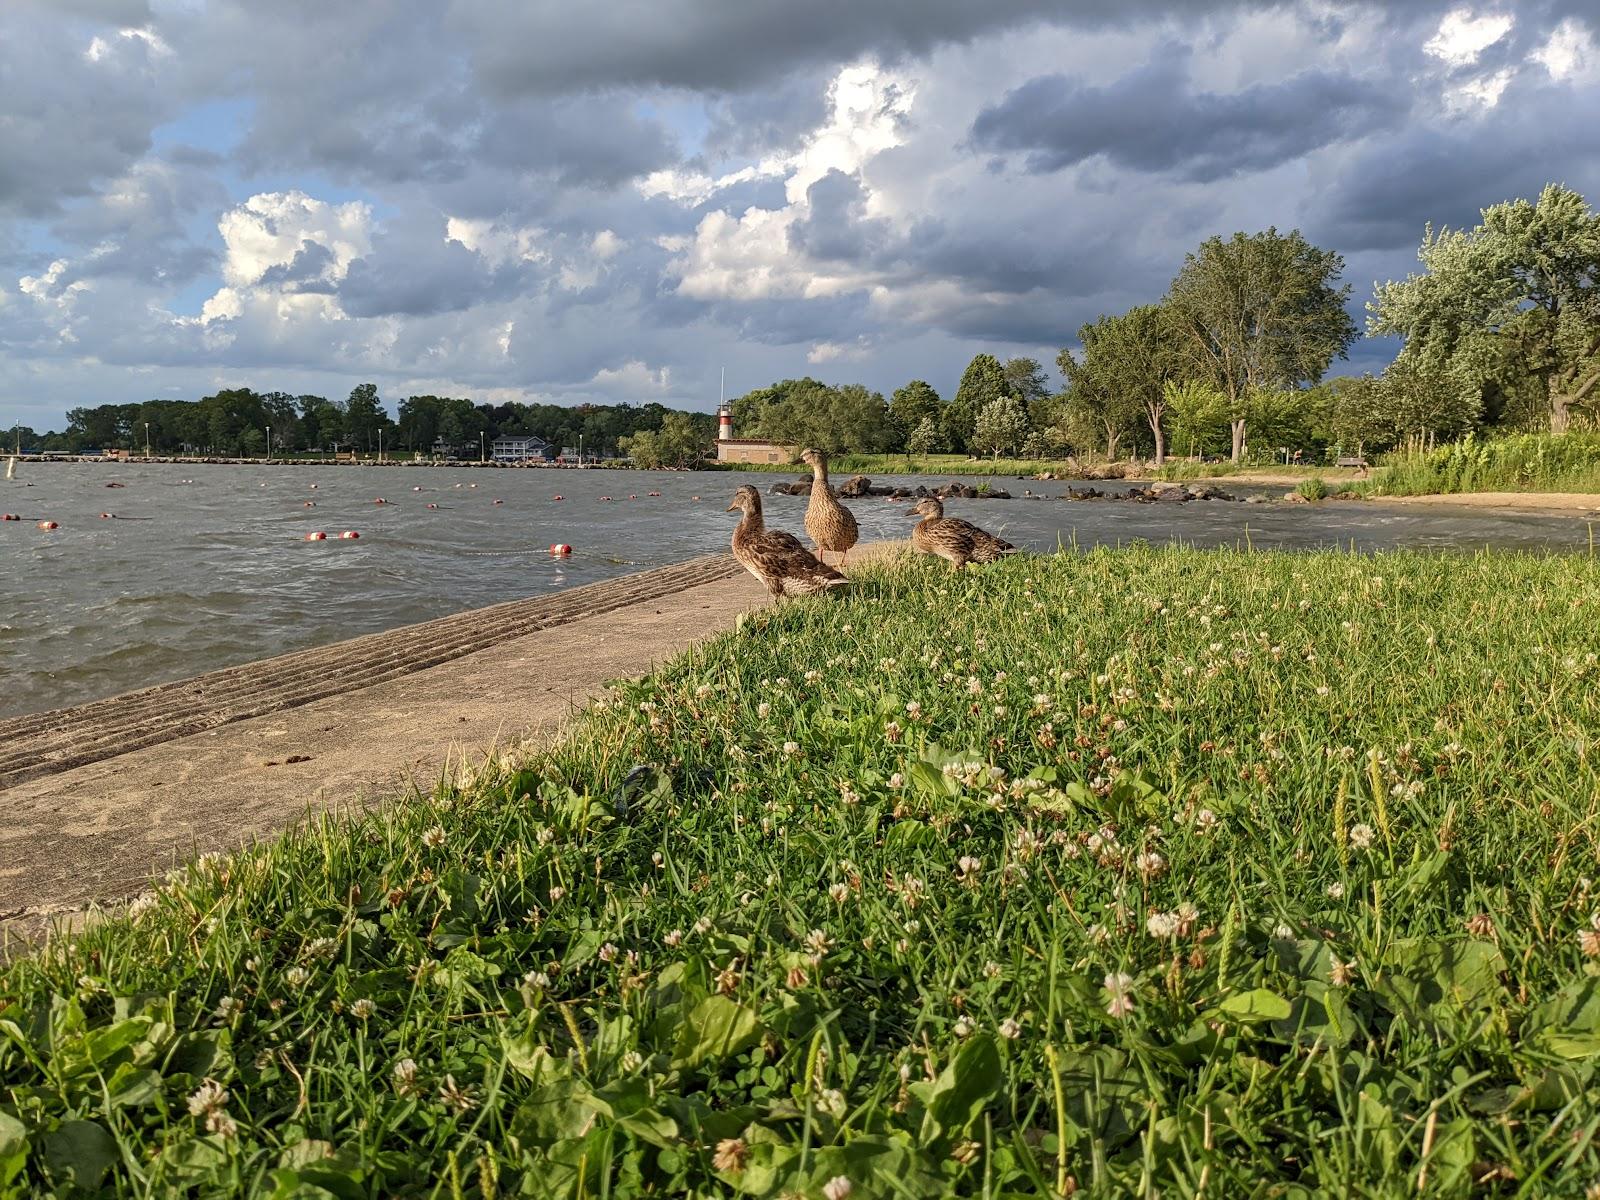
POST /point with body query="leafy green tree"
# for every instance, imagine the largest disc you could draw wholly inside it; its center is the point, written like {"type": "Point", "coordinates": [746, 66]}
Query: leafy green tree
{"type": "Point", "coordinates": [1259, 311]}
{"type": "Point", "coordinates": [680, 442]}
{"type": "Point", "coordinates": [983, 382]}
{"type": "Point", "coordinates": [1199, 415]}
{"type": "Point", "coordinates": [364, 415]}
{"type": "Point", "coordinates": [1001, 425]}
{"type": "Point", "coordinates": [911, 405]}
{"type": "Point", "coordinates": [1095, 405]}
{"type": "Point", "coordinates": [807, 412]}
{"type": "Point", "coordinates": [1030, 384]}
{"type": "Point", "coordinates": [321, 422]}
{"type": "Point", "coordinates": [926, 438]}
{"type": "Point", "coordinates": [1515, 297]}
{"type": "Point", "coordinates": [1133, 356]}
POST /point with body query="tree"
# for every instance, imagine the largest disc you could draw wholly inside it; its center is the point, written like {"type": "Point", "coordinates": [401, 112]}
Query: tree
{"type": "Point", "coordinates": [1516, 296]}
{"type": "Point", "coordinates": [1199, 416]}
{"type": "Point", "coordinates": [1260, 311]}
{"type": "Point", "coordinates": [1094, 404]}
{"type": "Point", "coordinates": [1001, 425]}
{"type": "Point", "coordinates": [911, 405]}
{"type": "Point", "coordinates": [925, 438]}
{"type": "Point", "coordinates": [1029, 384]}
{"type": "Point", "coordinates": [983, 382]}
{"type": "Point", "coordinates": [807, 412]}
{"type": "Point", "coordinates": [680, 442]}
{"type": "Point", "coordinates": [1133, 356]}
{"type": "Point", "coordinates": [364, 415]}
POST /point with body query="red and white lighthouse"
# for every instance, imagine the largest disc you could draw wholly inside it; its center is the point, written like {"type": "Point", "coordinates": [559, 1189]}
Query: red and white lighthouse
{"type": "Point", "coordinates": [724, 423]}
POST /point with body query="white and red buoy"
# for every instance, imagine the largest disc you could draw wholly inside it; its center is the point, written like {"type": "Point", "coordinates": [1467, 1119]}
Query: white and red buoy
{"type": "Point", "coordinates": [560, 550]}
{"type": "Point", "coordinates": [48, 525]}
{"type": "Point", "coordinates": [349, 535]}
{"type": "Point", "coordinates": [316, 535]}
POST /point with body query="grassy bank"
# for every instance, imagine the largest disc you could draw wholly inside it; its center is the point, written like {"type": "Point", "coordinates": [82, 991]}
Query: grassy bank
{"type": "Point", "coordinates": [1524, 463]}
{"type": "Point", "coordinates": [916, 464]}
{"type": "Point", "coordinates": [1146, 872]}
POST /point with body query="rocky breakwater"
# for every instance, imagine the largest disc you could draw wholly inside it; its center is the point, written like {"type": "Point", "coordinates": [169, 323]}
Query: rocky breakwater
{"type": "Point", "coordinates": [860, 487]}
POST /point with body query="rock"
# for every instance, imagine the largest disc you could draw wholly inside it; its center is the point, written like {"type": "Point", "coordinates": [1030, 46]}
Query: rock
{"type": "Point", "coordinates": [1254, 500]}
{"type": "Point", "coordinates": [858, 486]}
{"type": "Point", "coordinates": [790, 489]}
{"type": "Point", "coordinates": [1295, 498]}
{"type": "Point", "coordinates": [1168, 495]}
{"type": "Point", "coordinates": [1347, 494]}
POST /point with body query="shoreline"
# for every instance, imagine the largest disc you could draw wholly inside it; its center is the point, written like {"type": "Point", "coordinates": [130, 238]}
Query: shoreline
{"type": "Point", "coordinates": [105, 795]}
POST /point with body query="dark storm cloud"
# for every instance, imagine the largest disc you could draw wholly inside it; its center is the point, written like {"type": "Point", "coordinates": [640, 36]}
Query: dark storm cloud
{"type": "Point", "coordinates": [836, 225]}
{"type": "Point", "coordinates": [414, 271]}
{"type": "Point", "coordinates": [1447, 170]}
{"type": "Point", "coordinates": [1156, 120]}
{"type": "Point", "coordinates": [599, 142]}
{"type": "Point", "coordinates": [70, 119]}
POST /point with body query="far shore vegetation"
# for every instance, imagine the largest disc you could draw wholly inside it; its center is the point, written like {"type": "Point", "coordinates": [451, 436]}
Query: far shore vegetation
{"type": "Point", "coordinates": [1500, 342]}
{"type": "Point", "coordinates": [1137, 872]}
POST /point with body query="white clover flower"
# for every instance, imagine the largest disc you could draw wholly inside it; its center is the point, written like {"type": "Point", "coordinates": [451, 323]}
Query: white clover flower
{"type": "Point", "coordinates": [896, 781]}
{"type": "Point", "coordinates": [1162, 925]}
{"type": "Point", "coordinates": [458, 1099]}
{"type": "Point", "coordinates": [1119, 987]}
{"type": "Point", "coordinates": [818, 942]}
{"type": "Point", "coordinates": [296, 976]}
{"type": "Point", "coordinates": [1284, 933]}
{"type": "Point", "coordinates": [837, 1188]}
{"type": "Point", "coordinates": [968, 867]}
{"type": "Point", "coordinates": [556, 893]}
{"type": "Point", "coordinates": [1150, 864]}
{"type": "Point", "coordinates": [433, 837]}
{"type": "Point", "coordinates": [991, 970]}
{"type": "Point", "coordinates": [703, 925]}
{"type": "Point", "coordinates": [1340, 972]}
{"type": "Point", "coordinates": [962, 1027]}
{"type": "Point", "coordinates": [608, 952]}
{"type": "Point", "coordinates": [831, 1102]}
{"type": "Point", "coordinates": [632, 1061]}
{"type": "Point", "coordinates": [1010, 1029]}
{"type": "Point", "coordinates": [536, 979]}
{"type": "Point", "coordinates": [227, 1009]}
{"type": "Point", "coordinates": [1361, 836]}
{"type": "Point", "coordinates": [322, 948]}
{"type": "Point", "coordinates": [208, 1098]}
{"type": "Point", "coordinates": [763, 710]}
{"type": "Point", "coordinates": [363, 1008]}
{"type": "Point", "coordinates": [1335, 890]}
{"type": "Point", "coordinates": [839, 893]}
{"type": "Point", "coordinates": [791, 748]}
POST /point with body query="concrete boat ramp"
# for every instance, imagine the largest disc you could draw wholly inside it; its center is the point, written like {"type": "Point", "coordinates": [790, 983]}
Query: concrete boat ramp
{"type": "Point", "coordinates": [100, 797]}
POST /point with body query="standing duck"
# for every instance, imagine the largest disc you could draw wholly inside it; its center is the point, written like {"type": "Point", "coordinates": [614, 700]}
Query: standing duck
{"type": "Point", "coordinates": [831, 525]}
{"type": "Point", "coordinates": [958, 542]}
{"type": "Point", "coordinates": [777, 559]}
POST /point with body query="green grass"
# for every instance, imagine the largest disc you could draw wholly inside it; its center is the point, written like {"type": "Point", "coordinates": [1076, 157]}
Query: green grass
{"type": "Point", "coordinates": [1180, 470]}
{"type": "Point", "coordinates": [845, 465]}
{"type": "Point", "coordinates": [1313, 488]}
{"type": "Point", "coordinates": [1530, 462]}
{"type": "Point", "coordinates": [1157, 872]}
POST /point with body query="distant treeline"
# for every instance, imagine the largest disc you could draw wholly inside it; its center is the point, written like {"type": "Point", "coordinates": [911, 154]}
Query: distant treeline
{"type": "Point", "coordinates": [237, 421]}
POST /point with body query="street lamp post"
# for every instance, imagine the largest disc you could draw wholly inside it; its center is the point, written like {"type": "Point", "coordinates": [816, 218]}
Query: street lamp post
{"type": "Point", "coordinates": [269, 443]}
{"type": "Point", "coordinates": [580, 449]}
{"type": "Point", "coordinates": [147, 439]}
{"type": "Point", "coordinates": [481, 457]}
{"type": "Point", "coordinates": [380, 443]}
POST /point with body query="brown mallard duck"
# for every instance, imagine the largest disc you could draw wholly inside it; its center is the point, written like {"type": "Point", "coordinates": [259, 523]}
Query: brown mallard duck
{"type": "Point", "coordinates": [958, 542]}
{"type": "Point", "coordinates": [831, 525]}
{"type": "Point", "coordinates": [776, 558]}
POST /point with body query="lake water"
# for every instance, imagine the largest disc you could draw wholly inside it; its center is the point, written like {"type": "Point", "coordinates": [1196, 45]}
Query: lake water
{"type": "Point", "coordinates": [215, 571]}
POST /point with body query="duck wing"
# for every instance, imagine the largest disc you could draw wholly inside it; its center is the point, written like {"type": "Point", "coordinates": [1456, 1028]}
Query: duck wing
{"type": "Point", "coordinates": [943, 536]}
{"type": "Point", "coordinates": [780, 559]}
{"type": "Point", "coordinates": [986, 547]}
{"type": "Point", "coordinates": [830, 524]}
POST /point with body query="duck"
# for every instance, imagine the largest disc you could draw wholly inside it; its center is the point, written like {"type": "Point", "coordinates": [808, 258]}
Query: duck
{"type": "Point", "coordinates": [777, 559]}
{"type": "Point", "coordinates": [958, 542]}
{"type": "Point", "coordinates": [831, 525]}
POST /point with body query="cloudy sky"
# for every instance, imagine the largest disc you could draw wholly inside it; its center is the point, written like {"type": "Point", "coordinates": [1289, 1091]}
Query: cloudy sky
{"type": "Point", "coordinates": [531, 199]}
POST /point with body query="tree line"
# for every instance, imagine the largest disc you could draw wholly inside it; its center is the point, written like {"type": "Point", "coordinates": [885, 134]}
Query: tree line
{"type": "Point", "coordinates": [238, 422]}
{"type": "Point", "coordinates": [1501, 331]}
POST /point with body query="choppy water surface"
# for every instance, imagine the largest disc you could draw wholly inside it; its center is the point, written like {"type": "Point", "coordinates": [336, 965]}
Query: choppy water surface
{"type": "Point", "coordinates": [216, 572]}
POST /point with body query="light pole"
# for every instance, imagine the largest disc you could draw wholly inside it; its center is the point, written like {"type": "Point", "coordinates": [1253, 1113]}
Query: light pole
{"type": "Point", "coordinates": [147, 439]}
{"type": "Point", "coordinates": [269, 443]}
{"type": "Point", "coordinates": [380, 443]}
{"type": "Point", "coordinates": [580, 449]}
{"type": "Point", "coordinates": [481, 457]}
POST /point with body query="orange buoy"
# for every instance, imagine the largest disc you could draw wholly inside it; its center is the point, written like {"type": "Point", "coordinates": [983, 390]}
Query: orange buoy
{"type": "Point", "coordinates": [560, 550]}
{"type": "Point", "coordinates": [418, 488]}
{"type": "Point", "coordinates": [314, 486]}
{"type": "Point", "coordinates": [472, 485]}
{"type": "Point", "coordinates": [558, 497]}
{"type": "Point", "coordinates": [48, 525]}
{"type": "Point", "coordinates": [349, 535]}
{"type": "Point", "coordinates": [694, 497]}
{"type": "Point", "coordinates": [9, 517]}
{"type": "Point", "coordinates": [633, 497]}
{"type": "Point", "coordinates": [316, 536]}
{"type": "Point", "coordinates": [105, 516]}
{"type": "Point", "coordinates": [605, 497]}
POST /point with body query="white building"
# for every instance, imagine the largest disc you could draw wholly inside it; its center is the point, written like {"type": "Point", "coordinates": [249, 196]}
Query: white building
{"type": "Point", "coordinates": [521, 449]}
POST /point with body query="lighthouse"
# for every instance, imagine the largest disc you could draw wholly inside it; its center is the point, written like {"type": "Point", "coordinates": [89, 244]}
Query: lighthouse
{"type": "Point", "coordinates": [724, 423]}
